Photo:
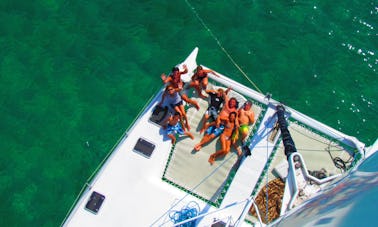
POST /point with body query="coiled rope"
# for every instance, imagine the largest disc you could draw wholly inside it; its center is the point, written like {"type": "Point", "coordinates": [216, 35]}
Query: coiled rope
{"type": "Point", "coordinates": [192, 189]}
{"type": "Point", "coordinates": [221, 46]}
{"type": "Point", "coordinates": [191, 210]}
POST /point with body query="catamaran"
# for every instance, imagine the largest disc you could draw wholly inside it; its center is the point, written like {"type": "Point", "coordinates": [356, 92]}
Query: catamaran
{"type": "Point", "coordinates": [294, 170]}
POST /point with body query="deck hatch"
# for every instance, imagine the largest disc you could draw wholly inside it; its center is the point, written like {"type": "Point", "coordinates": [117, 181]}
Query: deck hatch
{"type": "Point", "coordinates": [144, 147]}
{"type": "Point", "coordinates": [94, 203]}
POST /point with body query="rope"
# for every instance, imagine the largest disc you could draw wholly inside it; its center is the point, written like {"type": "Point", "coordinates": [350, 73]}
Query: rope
{"type": "Point", "coordinates": [338, 162]}
{"type": "Point", "coordinates": [191, 210]}
{"type": "Point", "coordinates": [221, 46]}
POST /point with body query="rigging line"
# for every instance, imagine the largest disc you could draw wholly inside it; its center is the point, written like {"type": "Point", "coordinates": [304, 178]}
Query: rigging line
{"type": "Point", "coordinates": [313, 138]}
{"type": "Point", "coordinates": [221, 46]}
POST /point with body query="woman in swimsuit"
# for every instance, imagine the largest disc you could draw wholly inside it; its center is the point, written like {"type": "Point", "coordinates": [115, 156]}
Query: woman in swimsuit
{"type": "Point", "coordinates": [231, 105]}
{"type": "Point", "coordinates": [172, 98]}
{"type": "Point", "coordinates": [200, 80]}
{"type": "Point", "coordinates": [175, 79]}
{"type": "Point", "coordinates": [228, 137]}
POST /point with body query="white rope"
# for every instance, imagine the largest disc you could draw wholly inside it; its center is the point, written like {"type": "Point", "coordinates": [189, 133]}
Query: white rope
{"type": "Point", "coordinates": [221, 46]}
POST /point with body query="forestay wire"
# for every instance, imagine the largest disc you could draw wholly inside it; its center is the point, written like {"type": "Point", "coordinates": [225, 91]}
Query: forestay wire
{"type": "Point", "coordinates": [221, 46]}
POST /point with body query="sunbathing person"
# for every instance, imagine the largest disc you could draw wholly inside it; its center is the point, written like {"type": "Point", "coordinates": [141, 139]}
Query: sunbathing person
{"type": "Point", "coordinates": [174, 126]}
{"type": "Point", "coordinates": [228, 137]}
{"type": "Point", "coordinates": [174, 79]}
{"type": "Point", "coordinates": [216, 101]}
{"type": "Point", "coordinates": [246, 117]}
{"type": "Point", "coordinates": [231, 105]}
{"type": "Point", "coordinates": [172, 99]}
{"type": "Point", "coordinates": [200, 80]}
{"type": "Point", "coordinates": [212, 130]}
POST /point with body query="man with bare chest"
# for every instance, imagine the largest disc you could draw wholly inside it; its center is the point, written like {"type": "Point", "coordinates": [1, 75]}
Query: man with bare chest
{"type": "Point", "coordinates": [246, 117]}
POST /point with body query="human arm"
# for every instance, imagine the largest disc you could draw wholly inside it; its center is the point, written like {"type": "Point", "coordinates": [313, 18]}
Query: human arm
{"type": "Point", "coordinates": [208, 91]}
{"type": "Point", "coordinates": [227, 90]}
{"type": "Point", "coordinates": [165, 78]}
{"type": "Point", "coordinates": [217, 121]}
{"type": "Point", "coordinates": [211, 71]}
{"type": "Point", "coordinates": [213, 123]}
{"type": "Point", "coordinates": [251, 117]}
{"type": "Point", "coordinates": [185, 69]}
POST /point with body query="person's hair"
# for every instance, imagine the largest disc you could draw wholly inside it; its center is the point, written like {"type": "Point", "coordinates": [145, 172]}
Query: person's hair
{"type": "Point", "coordinates": [220, 90]}
{"type": "Point", "coordinates": [232, 113]}
{"type": "Point", "coordinates": [177, 114]}
{"type": "Point", "coordinates": [175, 69]}
{"type": "Point", "coordinates": [248, 103]}
{"type": "Point", "coordinates": [236, 101]}
{"type": "Point", "coordinates": [169, 87]}
{"type": "Point", "coordinates": [199, 68]}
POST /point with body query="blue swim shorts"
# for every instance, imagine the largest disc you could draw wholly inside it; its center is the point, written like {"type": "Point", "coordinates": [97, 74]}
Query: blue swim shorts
{"type": "Point", "coordinates": [214, 130]}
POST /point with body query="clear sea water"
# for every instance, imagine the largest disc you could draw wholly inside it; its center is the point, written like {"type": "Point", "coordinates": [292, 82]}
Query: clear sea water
{"type": "Point", "coordinates": [74, 74]}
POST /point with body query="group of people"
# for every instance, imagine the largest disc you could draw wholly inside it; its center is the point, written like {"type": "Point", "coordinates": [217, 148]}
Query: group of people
{"type": "Point", "coordinates": [222, 118]}
{"type": "Point", "coordinates": [230, 123]}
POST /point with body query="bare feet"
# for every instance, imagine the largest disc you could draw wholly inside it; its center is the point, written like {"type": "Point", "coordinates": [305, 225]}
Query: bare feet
{"type": "Point", "coordinates": [211, 159]}
{"type": "Point", "coordinates": [196, 105]}
{"type": "Point", "coordinates": [197, 147]}
{"type": "Point", "coordinates": [202, 130]}
{"type": "Point", "coordinates": [239, 151]}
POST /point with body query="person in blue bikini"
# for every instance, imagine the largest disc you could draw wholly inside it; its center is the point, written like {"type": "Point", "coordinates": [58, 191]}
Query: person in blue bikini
{"type": "Point", "coordinates": [174, 126]}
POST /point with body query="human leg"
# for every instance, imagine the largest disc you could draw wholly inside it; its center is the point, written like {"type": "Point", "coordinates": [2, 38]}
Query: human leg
{"type": "Point", "coordinates": [205, 139]}
{"type": "Point", "coordinates": [225, 143]}
{"type": "Point", "coordinates": [182, 111]}
{"type": "Point", "coordinates": [204, 122]}
{"type": "Point", "coordinates": [190, 101]}
{"type": "Point", "coordinates": [204, 83]}
{"type": "Point", "coordinates": [173, 138]}
{"type": "Point", "coordinates": [189, 134]}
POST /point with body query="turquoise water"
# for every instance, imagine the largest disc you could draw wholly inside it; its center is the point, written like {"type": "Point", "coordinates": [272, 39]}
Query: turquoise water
{"type": "Point", "coordinates": [74, 74]}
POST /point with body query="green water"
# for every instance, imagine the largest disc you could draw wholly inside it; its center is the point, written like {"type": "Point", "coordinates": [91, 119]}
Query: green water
{"type": "Point", "coordinates": [74, 74]}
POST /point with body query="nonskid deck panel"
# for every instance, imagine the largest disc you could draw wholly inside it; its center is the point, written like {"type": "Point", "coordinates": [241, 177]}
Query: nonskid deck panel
{"type": "Point", "coordinates": [190, 170]}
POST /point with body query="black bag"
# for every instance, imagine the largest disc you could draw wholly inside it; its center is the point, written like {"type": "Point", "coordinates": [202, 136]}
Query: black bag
{"type": "Point", "coordinates": [158, 114]}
